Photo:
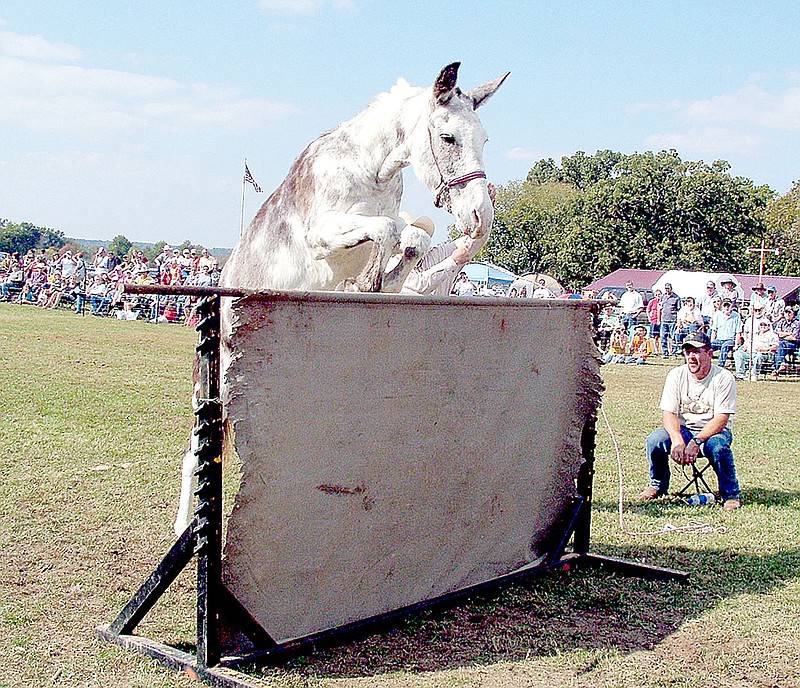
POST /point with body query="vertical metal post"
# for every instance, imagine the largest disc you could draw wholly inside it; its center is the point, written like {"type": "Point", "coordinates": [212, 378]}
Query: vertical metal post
{"type": "Point", "coordinates": [583, 524]}
{"type": "Point", "coordinates": [208, 521]}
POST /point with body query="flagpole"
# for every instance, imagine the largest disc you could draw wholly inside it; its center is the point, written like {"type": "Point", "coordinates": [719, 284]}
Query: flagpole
{"type": "Point", "coordinates": [241, 218]}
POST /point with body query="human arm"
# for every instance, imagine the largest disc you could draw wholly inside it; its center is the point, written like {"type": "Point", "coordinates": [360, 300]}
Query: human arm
{"type": "Point", "coordinates": [672, 425]}
{"type": "Point", "coordinates": [716, 425]}
{"type": "Point", "coordinates": [789, 331]}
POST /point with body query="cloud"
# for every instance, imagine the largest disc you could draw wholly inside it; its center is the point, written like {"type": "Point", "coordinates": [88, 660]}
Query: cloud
{"type": "Point", "coordinates": [748, 121]}
{"type": "Point", "coordinates": [303, 8]}
{"type": "Point", "coordinates": [524, 154]}
{"type": "Point", "coordinates": [714, 141]}
{"type": "Point", "coordinates": [54, 98]}
{"type": "Point", "coordinates": [37, 48]}
{"type": "Point", "coordinates": [750, 106]}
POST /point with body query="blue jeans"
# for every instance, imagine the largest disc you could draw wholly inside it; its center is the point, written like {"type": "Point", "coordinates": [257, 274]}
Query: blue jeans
{"type": "Point", "coordinates": [724, 346]}
{"type": "Point", "coordinates": [628, 322]}
{"type": "Point", "coordinates": [784, 347]}
{"type": "Point", "coordinates": [668, 347]}
{"type": "Point", "coordinates": [717, 449]}
{"type": "Point", "coordinates": [741, 359]}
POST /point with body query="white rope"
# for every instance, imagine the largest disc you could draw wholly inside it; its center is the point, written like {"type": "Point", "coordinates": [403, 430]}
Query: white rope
{"type": "Point", "coordinates": [690, 527]}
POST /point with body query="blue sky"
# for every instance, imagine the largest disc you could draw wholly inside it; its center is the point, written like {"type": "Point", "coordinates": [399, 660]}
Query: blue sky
{"type": "Point", "coordinates": [134, 118]}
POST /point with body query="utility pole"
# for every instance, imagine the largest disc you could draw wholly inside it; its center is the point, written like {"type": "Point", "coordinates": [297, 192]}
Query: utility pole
{"type": "Point", "coordinates": [762, 253]}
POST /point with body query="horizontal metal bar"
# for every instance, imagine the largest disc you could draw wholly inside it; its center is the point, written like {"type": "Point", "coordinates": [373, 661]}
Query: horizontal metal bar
{"type": "Point", "coordinates": [179, 661]}
{"type": "Point", "coordinates": [361, 297]}
{"type": "Point", "coordinates": [364, 627]}
{"type": "Point", "coordinates": [633, 568]}
{"type": "Point", "coordinates": [185, 290]}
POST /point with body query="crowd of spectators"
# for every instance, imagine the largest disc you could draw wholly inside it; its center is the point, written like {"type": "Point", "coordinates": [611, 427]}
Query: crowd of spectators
{"type": "Point", "coordinates": [766, 337]}
{"type": "Point", "coordinates": [97, 285]}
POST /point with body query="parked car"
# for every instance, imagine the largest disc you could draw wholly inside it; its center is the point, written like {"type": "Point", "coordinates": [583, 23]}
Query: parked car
{"type": "Point", "coordinates": [616, 292]}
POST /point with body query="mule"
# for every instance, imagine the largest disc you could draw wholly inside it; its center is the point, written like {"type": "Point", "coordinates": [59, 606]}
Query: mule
{"type": "Point", "coordinates": [335, 220]}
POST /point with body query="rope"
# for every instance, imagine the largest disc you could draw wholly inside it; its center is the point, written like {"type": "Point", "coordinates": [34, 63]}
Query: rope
{"type": "Point", "coordinates": [692, 526]}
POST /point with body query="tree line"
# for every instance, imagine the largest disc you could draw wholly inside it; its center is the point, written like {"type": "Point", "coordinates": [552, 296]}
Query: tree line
{"type": "Point", "coordinates": [24, 236]}
{"type": "Point", "coordinates": [593, 214]}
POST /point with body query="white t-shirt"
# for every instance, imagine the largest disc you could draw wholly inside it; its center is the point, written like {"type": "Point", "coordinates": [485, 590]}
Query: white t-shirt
{"type": "Point", "coordinates": [631, 302]}
{"type": "Point", "coordinates": [696, 402]}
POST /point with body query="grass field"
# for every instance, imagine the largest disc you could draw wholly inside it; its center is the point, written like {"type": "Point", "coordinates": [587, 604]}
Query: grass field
{"type": "Point", "coordinates": [94, 419]}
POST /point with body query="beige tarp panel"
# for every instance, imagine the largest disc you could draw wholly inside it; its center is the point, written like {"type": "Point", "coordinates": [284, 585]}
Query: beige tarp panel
{"type": "Point", "coordinates": [389, 452]}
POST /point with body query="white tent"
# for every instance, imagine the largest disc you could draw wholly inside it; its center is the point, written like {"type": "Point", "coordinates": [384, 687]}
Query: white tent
{"type": "Point", "coordinates": [532, 280]}
{"type": "Point", "coordinates": [687, 283]}
{"type": "Point", "coordinates": [489, 275]}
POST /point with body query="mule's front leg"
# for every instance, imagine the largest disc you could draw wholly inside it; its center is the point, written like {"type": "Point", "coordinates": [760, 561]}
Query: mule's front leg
{"type": "Point", "coordinates": [414, 244]}
{"type": "Point", "coordinates": [337, 232]}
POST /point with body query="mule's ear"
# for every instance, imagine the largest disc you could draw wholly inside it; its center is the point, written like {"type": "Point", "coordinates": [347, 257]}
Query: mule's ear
{"type": "Point", "coordinates": [485, 91]}
{"type": "Point", "coordinates": [446, 83]}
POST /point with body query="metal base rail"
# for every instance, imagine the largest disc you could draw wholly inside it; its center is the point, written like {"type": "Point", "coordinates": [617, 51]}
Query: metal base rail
{"type": "Point", "coordinates": [218, 609]}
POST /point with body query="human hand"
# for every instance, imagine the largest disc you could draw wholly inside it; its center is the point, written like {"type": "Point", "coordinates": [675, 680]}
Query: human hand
{"type": "Point", "coordinates": [691, 452]}
{"type": "Point", "coordinates": [461, 255]}
{"type": "Point", "coordinates": [678, 453]}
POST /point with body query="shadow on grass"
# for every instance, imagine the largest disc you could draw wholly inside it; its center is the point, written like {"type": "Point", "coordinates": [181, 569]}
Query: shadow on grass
{"type": "Point", "coordinates": [566, 611]}
{"type": "Point", "coordinates": [760, 496]}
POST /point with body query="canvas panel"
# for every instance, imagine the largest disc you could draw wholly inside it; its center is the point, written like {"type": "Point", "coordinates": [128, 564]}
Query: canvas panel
{"type": "Point", "coordinates": [395, 449]}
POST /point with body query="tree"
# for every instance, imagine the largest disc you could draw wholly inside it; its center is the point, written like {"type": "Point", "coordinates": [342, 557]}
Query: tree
{"type": "Point", "coordinates": [120, 245]}
{"type": "Point", "coordinates": [24, 236]}
{"type": "Point", "coordinates": [782, 220]}
{"type": "Point", "coordinates": [530, 221]}
{"type": "Point", "coordinates": [643, 210]}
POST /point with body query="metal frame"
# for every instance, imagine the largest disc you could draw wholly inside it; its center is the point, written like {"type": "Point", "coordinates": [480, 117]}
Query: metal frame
{"type": "Point", "coordinates": [696, 480]}
{"type": "Point", "coordinates": [217, 607]}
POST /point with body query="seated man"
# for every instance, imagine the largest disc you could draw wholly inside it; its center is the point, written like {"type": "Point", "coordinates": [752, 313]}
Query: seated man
{"type": "Point", "coordinates": [690, 319]}
{"type": "Point", "coordinates": [698, 404]}
{"type": "Point", "coordinates": [788, 331]}
{"type": "Point", "coordinates": [726, 331]}
{"type": "Point", "coordinates": [765, 341]}
{"type": "Point", "coordinates": [609, 321]}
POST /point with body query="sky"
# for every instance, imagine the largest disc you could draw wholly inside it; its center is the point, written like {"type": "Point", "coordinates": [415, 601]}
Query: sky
{"type": "Point", "coordinates": [135, 118]}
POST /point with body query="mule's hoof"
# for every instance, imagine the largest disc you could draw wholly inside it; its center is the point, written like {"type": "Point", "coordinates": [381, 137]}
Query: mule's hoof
{"type": "Point", "coordinates": [347, 285]}
{"type": "Point", "coordinates": [414, 242]}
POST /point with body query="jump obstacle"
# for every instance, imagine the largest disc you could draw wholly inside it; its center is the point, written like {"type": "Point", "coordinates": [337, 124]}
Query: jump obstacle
{"type": "Point", "coordinates": [250, 593]}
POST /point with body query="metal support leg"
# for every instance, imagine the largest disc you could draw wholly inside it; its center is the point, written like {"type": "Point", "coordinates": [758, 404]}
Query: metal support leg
{"type": "Point", "coordinates": [208, 544]}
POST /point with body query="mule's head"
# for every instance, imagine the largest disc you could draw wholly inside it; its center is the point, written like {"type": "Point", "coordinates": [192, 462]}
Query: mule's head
{"type": "Point", "coordinates": [452, 160]}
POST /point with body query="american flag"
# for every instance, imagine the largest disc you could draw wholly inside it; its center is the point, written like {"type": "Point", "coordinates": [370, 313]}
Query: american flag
{"type": "Point", "coordinates": [249, 178]}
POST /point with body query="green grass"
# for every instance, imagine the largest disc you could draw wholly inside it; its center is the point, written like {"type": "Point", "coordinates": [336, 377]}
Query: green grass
{"type": "Point", "coordinates": [95, 415]}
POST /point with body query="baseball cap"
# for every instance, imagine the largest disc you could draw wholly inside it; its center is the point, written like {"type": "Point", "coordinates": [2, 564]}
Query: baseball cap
{"type": "Point", "coordinates": [771, 287]}
{"type": "Point", "coordinates": [696, 340]}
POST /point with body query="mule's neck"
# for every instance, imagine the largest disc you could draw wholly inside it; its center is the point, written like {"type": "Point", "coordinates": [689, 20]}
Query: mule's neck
{"type": "Point", "coordinates": [390, 136]}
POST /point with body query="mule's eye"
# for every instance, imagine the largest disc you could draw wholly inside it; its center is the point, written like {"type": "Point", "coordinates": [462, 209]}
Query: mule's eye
{"type": "Point", "coordinates": [448, 139]}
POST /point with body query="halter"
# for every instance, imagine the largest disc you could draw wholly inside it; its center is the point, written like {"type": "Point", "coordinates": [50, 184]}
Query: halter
{"type": "Point", "coordinates": [446, 184]}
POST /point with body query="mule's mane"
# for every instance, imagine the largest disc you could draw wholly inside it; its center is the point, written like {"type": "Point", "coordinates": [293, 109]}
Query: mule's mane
{"type": "Point", "coordinates": [389, 105]}
{"type": "Point", "coordinates": [398, 93]}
